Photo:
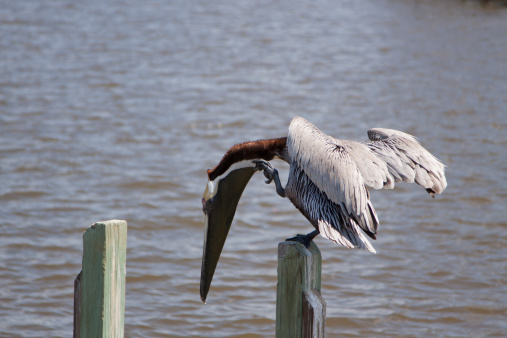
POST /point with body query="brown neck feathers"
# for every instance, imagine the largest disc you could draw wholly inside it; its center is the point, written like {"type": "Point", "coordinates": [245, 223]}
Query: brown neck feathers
{"type": "Point", "coordinates": [262, 149]}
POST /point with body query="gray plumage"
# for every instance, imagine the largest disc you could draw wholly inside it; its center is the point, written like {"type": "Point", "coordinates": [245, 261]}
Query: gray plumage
{"type": "Point", "coordinates": [328, 177]}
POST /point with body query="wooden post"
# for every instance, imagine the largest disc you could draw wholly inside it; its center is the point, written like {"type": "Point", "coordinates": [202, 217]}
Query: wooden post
{"type": "Point", "coordinates": [102, 281]}
{"type": "Point", "coordinates": [300, 309]}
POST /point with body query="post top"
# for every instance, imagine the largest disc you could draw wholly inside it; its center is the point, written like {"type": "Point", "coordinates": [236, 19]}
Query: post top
{"type": "Point", "coordinates": [284, 247]}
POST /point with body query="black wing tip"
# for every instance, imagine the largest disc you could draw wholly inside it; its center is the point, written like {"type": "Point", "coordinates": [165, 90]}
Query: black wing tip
{"type": "Point", "coordinates": [431, 192]}
{"type": "Point", "coordinates": [371, 234]}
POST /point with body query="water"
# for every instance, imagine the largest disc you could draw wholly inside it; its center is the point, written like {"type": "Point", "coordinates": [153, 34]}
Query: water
{"type": "Point", "coordinates": [115, 109]}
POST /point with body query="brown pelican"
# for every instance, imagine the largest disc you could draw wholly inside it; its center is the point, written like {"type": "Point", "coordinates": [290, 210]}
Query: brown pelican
{"type": "Point", "coordinates": [328, 180]}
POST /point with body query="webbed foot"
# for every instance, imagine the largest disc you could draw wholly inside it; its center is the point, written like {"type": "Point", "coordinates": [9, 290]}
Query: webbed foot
{"type": "Point", "coordinates": [306, 240]}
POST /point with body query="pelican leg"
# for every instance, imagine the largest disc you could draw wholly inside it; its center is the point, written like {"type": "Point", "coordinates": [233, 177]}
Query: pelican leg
{"type": "Point", "coordinates": [271, 174]}
{"type": "Point", "coordinates": [304, 239]}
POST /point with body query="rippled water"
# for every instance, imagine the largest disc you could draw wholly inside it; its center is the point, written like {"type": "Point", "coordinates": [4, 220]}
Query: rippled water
{"type": "Point", "coordinates": [115, 109]}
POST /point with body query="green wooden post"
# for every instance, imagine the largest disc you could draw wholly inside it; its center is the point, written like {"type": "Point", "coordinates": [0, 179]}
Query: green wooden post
{"type": "Point", "coordinates": [102, 281]}
{"type": "Point", "coordinates": [300, 309]}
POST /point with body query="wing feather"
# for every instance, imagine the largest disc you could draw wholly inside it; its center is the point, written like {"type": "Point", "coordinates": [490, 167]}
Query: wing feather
{"type": "Point", "coordinates": [341, 170]}
{"type": "Point", "coordinates": [407, 160]}
{"type": "Point", "coordinates": [331, 219]}
{"type": "Point", "coordinates": [330, 166]}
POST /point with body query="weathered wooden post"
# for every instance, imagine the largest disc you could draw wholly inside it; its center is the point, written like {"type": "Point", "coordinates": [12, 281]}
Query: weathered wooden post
{"type": "Point", "coordinates": [300, 309]}
{"type": "Point", "coordinates": [99, 299]}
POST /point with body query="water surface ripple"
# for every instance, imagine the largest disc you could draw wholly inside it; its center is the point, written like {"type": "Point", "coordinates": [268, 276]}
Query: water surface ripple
{"type": "Point", "coordinates": [115, 109]}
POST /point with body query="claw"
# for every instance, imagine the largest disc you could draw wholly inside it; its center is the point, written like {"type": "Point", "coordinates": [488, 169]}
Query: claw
{"type": "Point", "coordinates": [267, 167]}
{"type": "Point", "coordinates": [268, 176]}
{"type": "Point", "coordinates": [262, 165]}
{"type": "Point", "coordinates": [271, 174]}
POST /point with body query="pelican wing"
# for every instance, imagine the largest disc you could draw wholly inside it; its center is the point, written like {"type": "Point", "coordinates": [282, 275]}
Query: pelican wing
{"type": "Point", "coordinates": [342, 169]}
{"type": "Point", "coordinates": [373, 169]}
{"type": "Point", "coordinates": [407, 160]}
{"type": "Point", "coordinates": [330, 218]}
{"type": "Point", "coordinates": [331, 167]}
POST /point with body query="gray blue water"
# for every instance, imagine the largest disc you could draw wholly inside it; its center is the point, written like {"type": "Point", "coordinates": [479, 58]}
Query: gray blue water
{"type": "Point", "coordinates": [114, 110]}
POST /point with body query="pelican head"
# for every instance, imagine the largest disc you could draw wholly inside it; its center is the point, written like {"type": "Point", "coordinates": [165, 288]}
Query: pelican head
{"type": "Point", "coordinates": [226, 183]}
